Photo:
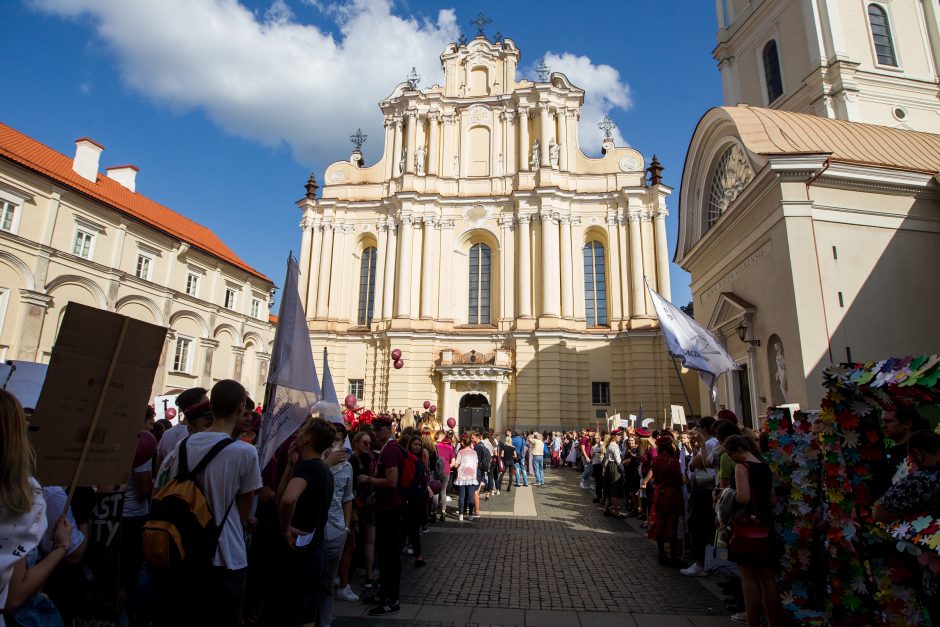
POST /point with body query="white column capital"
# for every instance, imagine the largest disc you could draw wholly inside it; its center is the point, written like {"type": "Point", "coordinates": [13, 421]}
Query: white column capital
{"type": "Point", "coordinates": [633, 216]}
{"type": "Point", "coordinates": [646, 216]}
{"type": "Point", "coordinates": [434, 115]}
{"type": "Point", "coordinates": [412, 114]}
{"type": "Point", "coordinates": [506, 222]}
{"type": "Point", "coordinates": [449, 119]}
{"type": "Point", "coordinates": [307, 223]}
{"type": "Point", "coordinates": [661, 213]}
{"type": "Point", "coordinates": [508, 115]}
{"type": "Point", "coordinates": [525, 219]}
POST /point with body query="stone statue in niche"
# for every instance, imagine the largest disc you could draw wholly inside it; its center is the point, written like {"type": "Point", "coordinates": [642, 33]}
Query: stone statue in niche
{"type": "Point", "coordinates": [553, 152]}
{"type": "Point", "coordinates": [420, 155]}
{"type": "Point", "coordinates": [536, 155]}
{"type": "Point", "coordinates": [499, 165]}
{"type": "Point", "coordinates": [779, 388]}
{"type": "Point", "coordinates": [401, 164]}
{"type": "Point", "coordinates": [456, 166]}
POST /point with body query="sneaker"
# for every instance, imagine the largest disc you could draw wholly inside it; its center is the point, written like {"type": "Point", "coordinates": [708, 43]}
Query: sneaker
{"type": "Point", "coordinates": [460, 517]}
{"type": "Point", "coordinates": [385, 610]}
{"type": "Point", "coordinates": [695, 570]}
{"type": "Point", "coordinates": [346, 594]}
{"type": "Point", "coordinates": [497, 493]}
{"type": "Point", "coordinates": [739, 617]}
{"type": "Point", "coordinates": [370, 584]}
{"type": "Point", "coordinates": [424, 529]}
{"type": "Point", "coordinates": [585, 487]}
{"type": "Point", "coordinates": [408, 551]}
{"type": "Point", "coordinates": [449, 499]}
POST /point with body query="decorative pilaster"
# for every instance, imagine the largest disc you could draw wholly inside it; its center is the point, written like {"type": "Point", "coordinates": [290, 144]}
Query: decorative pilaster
{"type": "Point", "coordinates": [326, 262]}
{"type": "Point", "coordinates": [563, 139]}
{"type": "Point", "coordinates": [523, 139]}
{"type": "Point", "coordinates": [662, 254]}
{"type": "Point", "coordinates": [613, 268]}
{"type": "Point", "coordinates": [509, 136]}
{"type": "Point", "coordinates": [524, 263]}
{"type": "Point", "coordinates": [312, 269]}
{"type": "Point", "coordinates": [306, 243]}
{"type": "Point", "coordinates": [33, 307]}
{"type": "Point", "coordinates": [506, 226]}
{"type": "Point", "coordinates": [445, 280]}
{"type": "Point", "coordinates": [382, 231]}
{"type": "Point", "coordinates": [434, 148]}
{"type": "Point", "coordinates": [649, 258]}
{"type": "Point", "coordinates": [546, 127]}
{"type": "Point", "coordinates": [209, 347]}
{"type": "Point", "coordinates": [427, 268]}
{"type": "Point", "coordinates": [397, 169]}
{"type": "Point", "coordinates": [403, 310]}
{"type": "Point", "coordinates": [412, 117]}
{"type": "Point", "coordinates": [239, 353]}
{"type": "Point", "coordinates": [450, 146]}
{"type": "Point", "coordinates": [567, 269]}
{"type": "Point", "coordinates": [636, 265]}
{"type": "Point", "coordinates": [550, 270]}
{"type": "Point", "coordinates": [388, 278]}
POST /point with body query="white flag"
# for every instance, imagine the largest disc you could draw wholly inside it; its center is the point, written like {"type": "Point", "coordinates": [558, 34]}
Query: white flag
{"type": "Point", "coordinates": [689, 341]}
{"type": "Point", "coordinates": [293, 375]}
{"type": "Point", "coordinates": [328, 407]}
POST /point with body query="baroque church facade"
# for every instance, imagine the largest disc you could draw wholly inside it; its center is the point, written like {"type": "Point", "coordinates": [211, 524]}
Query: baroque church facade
{"type": "Point", "coordinates": [505, 265]}
{"type": "Point", "coordinates": [809, 214]}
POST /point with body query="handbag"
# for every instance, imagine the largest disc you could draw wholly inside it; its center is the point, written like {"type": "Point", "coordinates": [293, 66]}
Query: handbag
{"type": "Point", "coordinates": [705, 478]}
{"type": "Point", "coordinates": [750, 537]}
{"type": "Point", "coordinates": [500, 464]}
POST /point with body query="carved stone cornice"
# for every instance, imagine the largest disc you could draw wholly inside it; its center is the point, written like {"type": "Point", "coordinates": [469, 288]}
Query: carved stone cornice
{"type": "Point", "coordinates": [434, 116]}
{"type": "Point", "coordinates": [506, 222]}
{"type": "Point", "coordinates": [525, 219]}
{"type": "Point", "coordinates": [446, 223]}
{"type": "Point", "coordinates": [549, 216]}
{"type": "Point", "coordinates": [449, 119]}
{"type": "Point", "coordinates": [30, 297]}
{"type": "Point", "coordinates": [208, 344]}
{"type": "Point", "coordinates": [508, 115]}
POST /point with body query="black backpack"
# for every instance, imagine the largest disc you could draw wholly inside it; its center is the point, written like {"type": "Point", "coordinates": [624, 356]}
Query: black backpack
{"type": "Point", "coordinates": [181, 532]}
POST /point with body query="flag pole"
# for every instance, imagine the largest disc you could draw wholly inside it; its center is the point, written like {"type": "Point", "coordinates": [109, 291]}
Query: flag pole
{"type": "Point", "coordinates": [681, 383]}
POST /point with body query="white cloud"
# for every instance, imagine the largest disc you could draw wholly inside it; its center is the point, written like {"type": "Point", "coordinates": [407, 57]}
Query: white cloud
{"type": "Point", "coordinates": [269, 78]}
{"type": "Point", "coordinates": [603, 92]}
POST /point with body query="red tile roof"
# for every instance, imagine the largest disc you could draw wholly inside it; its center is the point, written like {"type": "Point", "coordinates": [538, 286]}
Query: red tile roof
{"type": "Point", "coordinates": [38, 157]}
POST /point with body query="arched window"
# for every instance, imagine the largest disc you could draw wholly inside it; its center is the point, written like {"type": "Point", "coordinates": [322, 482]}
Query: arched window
{"type": "Point", "coordinates": [479, 301]}
{"type": "Point", "coordinates": [881, 35]}
{"type": "Point", "coordinates": [367, 286]}
{"type": "Point", "coordinates": [731, 175]}
{"type": "Point", "coordinates": [595, 285]}
{"type": "Point", "coordinates": [772, 72]}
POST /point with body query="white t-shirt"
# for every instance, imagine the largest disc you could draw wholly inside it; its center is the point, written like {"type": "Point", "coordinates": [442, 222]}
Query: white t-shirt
{"type": "Point", "coordinates": [133, 504]}
{"type": "Point", "coordinates": [234, 471]}
{"type": "Point", "coordinates": [19, 536]}
{"type": "Point", "coordinates": [171, 439]}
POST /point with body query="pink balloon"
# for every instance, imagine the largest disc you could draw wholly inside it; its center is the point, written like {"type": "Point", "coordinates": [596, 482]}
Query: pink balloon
{"type": "Point", "coordinates": [170, 413]}
{"type": "Point", "coordinates": [350, 401]}
{"type": "Point", "coordinates": [433, 409]}
{"type": "Point", "coordinates": [399, 364]}
{"type": "Point", "coordinates": [427, 404]}
{"type": "Point", "coordinates": [451, 423]}
{"type": "Point", "coordinates": [396, 355]}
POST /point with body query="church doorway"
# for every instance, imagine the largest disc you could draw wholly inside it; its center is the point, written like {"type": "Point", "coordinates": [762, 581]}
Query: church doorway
{"type": "Point", "coordinates": [474, 413]}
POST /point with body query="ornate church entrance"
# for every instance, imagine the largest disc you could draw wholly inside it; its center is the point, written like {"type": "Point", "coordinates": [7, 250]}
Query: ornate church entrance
{"type": "Point", "coordinates": [474, 412]}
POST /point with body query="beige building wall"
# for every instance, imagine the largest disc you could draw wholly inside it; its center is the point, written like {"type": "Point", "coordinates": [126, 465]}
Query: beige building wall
{"type": "Point", "coordinates": [487, 159]}
{"type": "Point", "coordinates": [40, 273]}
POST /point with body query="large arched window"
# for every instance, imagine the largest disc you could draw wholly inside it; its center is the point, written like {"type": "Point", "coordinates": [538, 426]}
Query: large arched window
{"type": "Point", "coordinates": [595, 285]}
{"type": "Point", "coordinates": [881, 35]}
{"type": "Point", "coordinates": [731, 175]}
{"type": "Point", "coordinates": [367, 286]}
{"type": "Point", "coordinates": [479, 301]}
{"type": "Point", "coordinates": [772, 78]}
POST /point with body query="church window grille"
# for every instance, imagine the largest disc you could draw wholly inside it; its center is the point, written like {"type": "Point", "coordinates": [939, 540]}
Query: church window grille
{"type": "Point", "coordinates": [881, 35]}
{"type": "Point", "coordinates": [479, 297]}
{"type": "Point", "coordinates": [367, 286]}
{"type": "Point", "coordinates": [772, 76]}
{"type": "Point", "coordinates": [732, 174]}
{"type": "Point", "coordinates": [595, 285]}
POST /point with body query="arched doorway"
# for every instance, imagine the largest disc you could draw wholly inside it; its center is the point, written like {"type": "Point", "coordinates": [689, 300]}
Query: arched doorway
{"type": "Point", "coordinates": [474, 412]}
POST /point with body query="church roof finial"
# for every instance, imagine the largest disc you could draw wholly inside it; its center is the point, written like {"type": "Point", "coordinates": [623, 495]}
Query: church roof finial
{"type": "Point", "coordinates": [312, 186]}
{"type": "Point", "coordinates": [655, 171]}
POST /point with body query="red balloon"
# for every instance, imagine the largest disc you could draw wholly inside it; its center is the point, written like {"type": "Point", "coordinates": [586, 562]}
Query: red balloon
{"type": "Point", "coordinates": [399, 364]}
{"type": "Point", "coordinates": [396, 355]}
{"type": "Point", "coordinates": [433, 409]}
{"type": "Point", "coordinates": [170, 413]}
{"type": "Point", "coordinates": [427, 404]}
{"type": "Point", "coordinates": [451, 423]}
{"type": "Point", "coordinates": [350, 401]}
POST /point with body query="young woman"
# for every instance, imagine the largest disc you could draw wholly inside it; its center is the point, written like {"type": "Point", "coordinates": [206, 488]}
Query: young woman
{"type": "Point", "coordinates": [613, 474]}
{"type": "Point", "coordinates": [631, 477]}
{"type": "Point", "coordinates": [445, 451]}
{"type": "Point", "coordinates": [467, 482]}
{"type": "Point", "coordinates": [508, 451]}
{"type": "Point", "coordinates": [754, 490]}
{"type": "Point", "coordinates": [416, 506]}
{"type": "Point", "coordinates": [363, 461]}
{"type": "Point", "coordinates": [597, 466]}
{"type": "Point", "coordinates": [667, 500]}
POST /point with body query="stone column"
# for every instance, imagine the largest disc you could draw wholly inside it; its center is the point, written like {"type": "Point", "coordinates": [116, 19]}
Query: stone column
{"type": "Point", "coordinates": [396, 151]}
{"type": "Point", "coordinates": [209, 346]}
{"type": "Point", "coordinates": [509, 140]}
{"type": "Point", "coordinates": [434, 148]}
{"type": "Point", "coordinates": [420, 137]}
{"type": "Point", "coordinates": [523, 140]}
{"type": "Point", "coordinates": [662, 255]}
{"type": "Point", "coordinates": [379, 311]}
{"type": "Point", "coordinates": [649, 259]}
{"type": "Point", "coordinates": [624, 265]}
{"type": "Point", "coordinates": [613, 269]}
{"type": "Point", "coordinates": [33, 307]}
{"type": "Point", "coordinates": [449, 149]}
{"type": "Point", "coordinates": [550, 296]}
{"type": "Point", "coordinates": [388, 278]}
{"type": "Point", "coordinates": [403, 310]}
{"type": "Point", "coordinates": [567, 298]}
{"type": "Point", "coordinates": [502, 406]}
{"type": "Point", "coordinates": [323, 281]}
{"type": "Point", "coordinates": [636, 266]}
{"type": "Point", "coordinates": [313, 270]}
{"type": "Point", "coordinates": [563, 139]}
{"type": "Point", "coordinates": [427, 269]}
{"type": "Point", "coordinates": [239, 353]}
{"type": "Point", "coordinates": [159, 379]}
{"type": "Point", "coordinates": [506, 260]}
{"type": "Point", "coordinates": [524, 263]}
{"type": "Point", "coordinates": [445, 281]}
{"type": "Point", "coordinates": [546, 128]}
{"type": "Point", "coordinates": [447, 409]}
{"type": "Point", "coordinates": [306, 245]}
{"type": "Point", "coordinates": [342, 261]}
{"type": "Point", "coordinates": [412, 142]}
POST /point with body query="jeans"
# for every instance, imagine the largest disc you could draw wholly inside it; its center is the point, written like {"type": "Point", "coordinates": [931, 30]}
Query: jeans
{"type": "Point", "coordinates": [466, 494]}
{"type": "Point", "coordinates": [588, 472]}
{"type": "Point", "coordinates": [520, 471]}
{"type": "Point", "coordinates": [441, 501]}
{"type": "Point", "coordinates": [334, 551]}
{"type": "Point", "coordinates": [388, 551]}
{"type": "Point", "coordinates": [538, 462]}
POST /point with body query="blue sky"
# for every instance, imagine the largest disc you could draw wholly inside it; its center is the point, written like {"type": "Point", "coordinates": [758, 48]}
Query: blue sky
{"type": "Point", "coordinates": [227, 107]}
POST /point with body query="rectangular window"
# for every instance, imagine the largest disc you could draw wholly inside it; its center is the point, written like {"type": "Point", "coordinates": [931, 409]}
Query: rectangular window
{"type": "Point", "coordinates": [357, 387]}
{"type": "Point", "coordinates": [83, 243]}
{"type": "Point", "coordinates": [600, 393]}
{"type": "Point", "coordinates": [192, 284]}
{"type": "Point", "coordinates": [230, 298]}
{"type": "Point", "coordinates": [7, 216]}
{"type": "Point", "coordinates": [182, 356]}
{"type": "Point", "coordinates": [255, 308]}
{"type": "Point", "coordinates": [144, 267]}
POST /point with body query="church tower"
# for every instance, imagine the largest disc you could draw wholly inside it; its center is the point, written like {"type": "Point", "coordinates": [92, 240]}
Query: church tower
{"type": "Point", "coordinates": [875, 62]}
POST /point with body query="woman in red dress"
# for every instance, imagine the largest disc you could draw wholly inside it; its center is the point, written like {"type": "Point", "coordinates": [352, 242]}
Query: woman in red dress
{"type": "Point", "coordinates": [667, 499]}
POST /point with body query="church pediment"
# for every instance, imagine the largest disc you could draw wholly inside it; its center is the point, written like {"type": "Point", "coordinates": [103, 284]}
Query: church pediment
{"type": "Point", "coordinates": [730, 311]}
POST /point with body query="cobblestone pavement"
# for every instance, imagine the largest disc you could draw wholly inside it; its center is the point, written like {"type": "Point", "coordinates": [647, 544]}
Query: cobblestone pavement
{"type": "Point", "coordinates": [544, 556]}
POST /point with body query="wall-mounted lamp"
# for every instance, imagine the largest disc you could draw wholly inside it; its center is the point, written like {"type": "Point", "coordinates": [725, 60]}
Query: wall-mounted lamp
{"type": "Point", "coordinates": [742, 334]}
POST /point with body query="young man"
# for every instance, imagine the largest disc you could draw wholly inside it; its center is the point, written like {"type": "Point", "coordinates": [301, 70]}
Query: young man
{"type": "Point", "coordinates": [584, 446]}
{"type": "Point", "coordinates": [389, 507]}
{"type": "Point", "coordinates": [518, 443]}
{"type": "Point", "coordinates": [185, 403]}
{"type": "Point", "coordinates": [229, 483]}
{"type": "Point", "coordinates": [337, 523]}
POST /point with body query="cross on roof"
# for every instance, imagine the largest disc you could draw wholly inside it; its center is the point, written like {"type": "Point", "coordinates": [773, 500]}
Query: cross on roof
{"type": "Point", "coordinates": [480, 22]}
{"type": "Point", "coordinates": [414, 78]}
{"type": "Point", "coordinates": [543, 71]}
{"type": "Point", "coordinates": [358, 139]}
{"type": "Point", "coordinates": [607, 125]}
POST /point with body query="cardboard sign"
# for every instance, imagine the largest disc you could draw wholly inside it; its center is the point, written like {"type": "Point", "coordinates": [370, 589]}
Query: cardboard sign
{"type": "Point", "coordinates": [677, 417]}
{"type": "Point", "coordinates": [84, 429]}
{"type": "Point", "coordinates": [165, 406]}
